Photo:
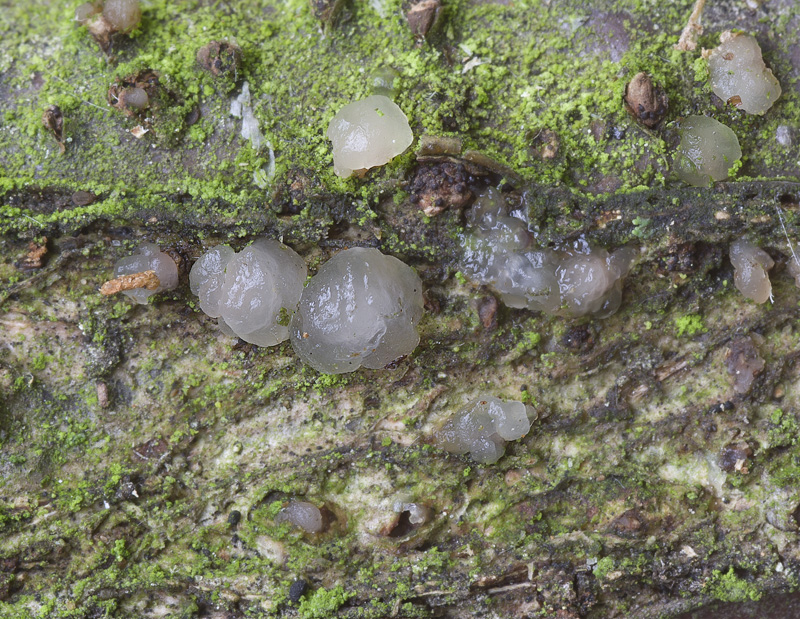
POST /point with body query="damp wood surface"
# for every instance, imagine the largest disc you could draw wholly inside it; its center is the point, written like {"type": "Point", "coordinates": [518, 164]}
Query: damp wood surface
{"type": "Point", "coordinates": [145, 456]}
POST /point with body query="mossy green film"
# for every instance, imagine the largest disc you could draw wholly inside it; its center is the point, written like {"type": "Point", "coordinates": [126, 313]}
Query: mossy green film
{"type": "Point", "coordinates": [497, 107]}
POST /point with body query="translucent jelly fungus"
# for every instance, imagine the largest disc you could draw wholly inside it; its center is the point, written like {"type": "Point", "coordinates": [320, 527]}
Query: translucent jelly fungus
{"type": "Point", "coordinates": [124, 15]}
{"type": "Point", "coordinates": [303, 515]}
{"type": "Point", "coordinates": [149, 257]}
{"type": "Point", "coordinates": [368, 133]}
{"type": "Point", "coordinates": [418, 513]}
{"type": "Point", "coordinates": [241, 107]}
{"type": "Point", "coordinates": [87, 10]}
{"type": "Point", "coordinates": [739, 76]}
{"type": "Point", "coordinates": [572, 280]}
{"type": "Point", "coordinates": [134, 98]}
{"type": "Point", "coordinates": [483, 427]}
{"type": "Point", "coordinates": [707, 151]}
{"type": "Point", "coordinates": [382, 81]}
{"type": "Point", "coordinates": [361, 308]}
{"type": "Point", "coordinates": [750, 265]}
{"type": "Point", "coordinates": [120, 15]}
{"type": "Point", "coordinates": [253, 293]}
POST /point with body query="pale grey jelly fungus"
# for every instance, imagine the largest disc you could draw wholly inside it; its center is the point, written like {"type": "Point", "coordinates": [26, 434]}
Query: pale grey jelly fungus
{"type": "Point", "coordinates": [368, 133]}
{"type": "Point", "coordinates": [303, 515]}
{"type": "Point", "coordinates": [123, 15]}
{"type": "Point", "coordinates": [134, 98]}
{"type": "Point", "coordinates": [361, 308]}
{"type": "Point", "coordinates": [482, 428]}
{"type": "Point", "coordinates": [590, 279]}
{"type": "Point", "coordinates": [571, 280]}
{"type": "Point", "coordinates": [149, 258]}
{"type": "Point", "coordinates": [418, 513]}
{"type": "Point", "coordinates": [87, 10]}
{"type": "Point", "coordinates": [252, 293]}
{"type": "Point", "coordinates": [120, 15]}
{"type": "Point", "coordinates": [739, 76]}
{"type": "Point", "coordinates": [707, 151]}
{"type": "Point", "coordinates": [750, 266]}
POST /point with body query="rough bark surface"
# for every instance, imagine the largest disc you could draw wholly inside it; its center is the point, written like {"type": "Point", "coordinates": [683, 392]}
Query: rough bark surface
{"type": "Point", "coordinates": [145, 456]}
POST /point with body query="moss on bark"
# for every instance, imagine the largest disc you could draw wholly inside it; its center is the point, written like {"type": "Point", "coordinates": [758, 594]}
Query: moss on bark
{"type": "Point", "coordinates": [144, 455]}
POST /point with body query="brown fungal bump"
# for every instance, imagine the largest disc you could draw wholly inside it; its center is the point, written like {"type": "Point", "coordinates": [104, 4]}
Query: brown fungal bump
{"type": "Point", "coordinates": [439, 186]}
{"type": "Point", "coordinates": [34, 259]}
{"type": "Point", "coordinates": [53, 120]}
{"type": "Point", "coordinates": [423, 17]}
{"type": "Point", "coordinates": [83, 198]}
{"type": "Point", "coordinates": [743, 363]}
{"type": "Point", "coordinates": [487, 311]}
{"type": "Point", "coordinates": [220, 58]}
{"type": "Point", "coordinates": [646, 101]}
{"type": "Point", "coordinates": [326, 11]}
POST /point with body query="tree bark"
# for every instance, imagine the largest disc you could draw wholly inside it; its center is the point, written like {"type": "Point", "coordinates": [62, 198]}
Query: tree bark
{"type": "Point", "coordinates": [145, 455]}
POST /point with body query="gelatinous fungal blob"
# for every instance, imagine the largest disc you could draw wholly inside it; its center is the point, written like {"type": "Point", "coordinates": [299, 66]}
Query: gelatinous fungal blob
{"type": "Point", "coordinates": [483, 427]}
{"type": "Point", "coordinates": [303, 515]}
{"type": "Point", "coordinates": [105, 18]}
{"type": "Point", "coordinates": [573, 280]}
{"type": "Point", "coordinates": [134, 94]}
{"type": "Point", "coordinates": [134, 98]}
{"type": "Point", "coordinates": [738, 74]}
{"type": "Point", "coordinates": [409, 515]}
{"type": "Point", "coordinates": [253, 293]}
{"type": "Point", "coordinates": [750, 265]}
{"type": "Point", "coordinates": [590, 279]}
{"type": "Point", "coordinates": [124, 15]}
{"type": "Point", "coordinates": [707, 151]}
{"type": "Point", "coordinates": [361, 308]}
{"type": "Point", "coordinates": [418, 513]}
{"type": "Point", "coordinates": [145, 273]}
{"type": "Point", "coordinates": [87, 10]}
{"type": "Point", "coordinates": [368, 133]}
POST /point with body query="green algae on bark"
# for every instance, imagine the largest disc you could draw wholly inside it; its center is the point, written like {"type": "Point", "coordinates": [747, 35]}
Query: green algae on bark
{"type": "Point", "coordinates": [130, 436]}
